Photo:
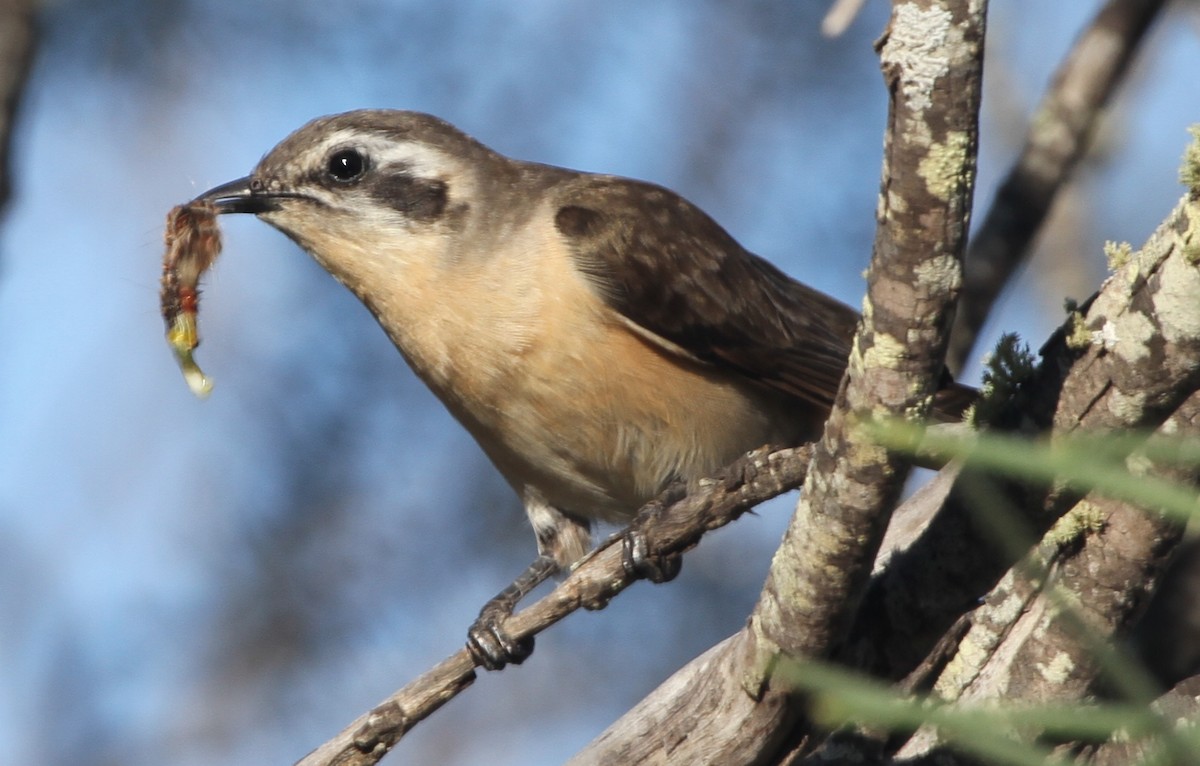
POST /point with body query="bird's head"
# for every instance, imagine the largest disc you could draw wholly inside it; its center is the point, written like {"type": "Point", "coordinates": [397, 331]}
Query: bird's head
{"type": "Point", "coordinates": [366, 189]}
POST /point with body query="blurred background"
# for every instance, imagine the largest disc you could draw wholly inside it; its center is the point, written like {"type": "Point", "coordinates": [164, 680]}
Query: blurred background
{"type": "Point", "coordinates": [231, 581]}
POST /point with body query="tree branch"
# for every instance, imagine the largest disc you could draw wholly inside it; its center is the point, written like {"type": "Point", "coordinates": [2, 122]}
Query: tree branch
{"type": "Point", "coordinates": [1044, 633]}
{"type": "Point", "coordinates": [1057, 139]}
{"type": "Point", "coordinates": [932, 62]}
{"type": "Point", "coordinates": [671, 524]}
{"type": "Point", "coordinates": [1182, 703]}
{"type": "Point", "coordinates": [704, 706]}
{"type": "Point", "coordinates": [1129, 359]}
{"type": "Point", "coordinates": [17, 38]}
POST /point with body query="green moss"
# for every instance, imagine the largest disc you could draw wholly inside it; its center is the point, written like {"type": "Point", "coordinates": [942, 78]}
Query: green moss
{"type": "Point", "coordinates": [1189, 172]}
{"type": "Point", "coordinates": [1118, 254]}
{"type": "Point", "coordinates": [1080, 337]}
{"type": "Point", "coordinates": [1084, 519]}
{"type": "Point", "coordinates": [1191, 236]}
{"type": "Point", "coordinates": [942, 165]}
{"type": "Point", "coordinates": [1006, 370]}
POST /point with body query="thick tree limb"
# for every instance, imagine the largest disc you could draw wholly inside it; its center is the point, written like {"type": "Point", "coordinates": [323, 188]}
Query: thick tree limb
{"type": "Point", "coordinates": [1044, 633]}
{"type": "Point", "coordinates": [1180, 704]}
{"type": "Point", "coordinates": [1105, 556]}
{"type": "Point", "coordinates": [1057, 139]}
{"type": "Point", "coordinates": [701, 714]}
{"type": "Point", "coordinates": [1140, 335]}
{"type": "Point", "coordinates": [1126, 362]}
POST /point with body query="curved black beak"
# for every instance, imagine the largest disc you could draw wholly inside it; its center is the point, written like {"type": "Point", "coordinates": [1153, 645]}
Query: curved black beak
{"type": "Point", "coordinates": [238, 197]}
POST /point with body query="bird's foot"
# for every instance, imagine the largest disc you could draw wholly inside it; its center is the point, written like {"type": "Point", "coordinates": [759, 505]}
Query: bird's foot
{"type": "Point", "coordinates": [642, 563]}
{"type": "Point", "coordinates": [490, 645]}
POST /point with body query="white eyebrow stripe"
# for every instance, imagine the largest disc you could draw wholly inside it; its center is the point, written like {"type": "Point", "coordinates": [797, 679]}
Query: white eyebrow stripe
{"type": "Point", "coordinates": [421, 159]}
{"type": "Point", "coordinates": [413, 157]}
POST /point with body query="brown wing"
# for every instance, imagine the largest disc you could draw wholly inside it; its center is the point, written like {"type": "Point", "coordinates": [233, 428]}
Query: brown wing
{"type": "Point", "coordinates": [676, 274]}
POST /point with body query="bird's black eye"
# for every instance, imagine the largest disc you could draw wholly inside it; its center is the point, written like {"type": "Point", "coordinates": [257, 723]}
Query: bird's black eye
{"type": "Point", "coordinates": [346, 165]}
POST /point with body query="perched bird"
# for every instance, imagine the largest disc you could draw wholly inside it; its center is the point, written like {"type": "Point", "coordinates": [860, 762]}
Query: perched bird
{"type": "Point", "coordinates": [600, 337]}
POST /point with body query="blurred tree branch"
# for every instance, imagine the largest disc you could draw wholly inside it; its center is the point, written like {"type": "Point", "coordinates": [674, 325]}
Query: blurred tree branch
{"type": "Point", "coordinates": [840, 15]}
{"type": "Point", "coordinates": [1057, 139]}
{"type": "Point", "coordinates": [18, 35]}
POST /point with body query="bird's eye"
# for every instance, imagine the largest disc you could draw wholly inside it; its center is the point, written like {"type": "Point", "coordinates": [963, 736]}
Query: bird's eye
{"type": "Point", "coordinates": [346, 165]}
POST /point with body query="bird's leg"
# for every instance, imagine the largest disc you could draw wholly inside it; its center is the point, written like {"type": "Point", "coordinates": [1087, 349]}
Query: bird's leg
{"type": "Point", "coordinates": [562, 540]}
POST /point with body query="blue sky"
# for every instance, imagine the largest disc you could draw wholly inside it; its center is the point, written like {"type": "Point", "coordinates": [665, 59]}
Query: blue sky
{"type": "Point", "coordinates": [230, 581]}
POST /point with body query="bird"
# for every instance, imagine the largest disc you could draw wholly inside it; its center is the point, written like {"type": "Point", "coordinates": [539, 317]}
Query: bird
{"type": "Point", "coordinates": [600, 337]}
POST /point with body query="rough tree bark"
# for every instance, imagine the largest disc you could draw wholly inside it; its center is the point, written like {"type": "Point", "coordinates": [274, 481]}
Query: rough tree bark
{"type": "Point", "coordinates": [1042, 632]}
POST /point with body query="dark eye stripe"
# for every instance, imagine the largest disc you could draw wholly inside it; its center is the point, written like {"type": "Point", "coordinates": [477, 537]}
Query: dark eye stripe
{"type": "Point", "coordinates": [422, 199]}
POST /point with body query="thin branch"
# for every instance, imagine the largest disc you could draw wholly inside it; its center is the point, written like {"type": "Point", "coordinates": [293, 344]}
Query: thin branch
{"type": "Point", "coordinates": [840, 16]}
{"type": "Point", "coordinates": [704, 708]}
{"type": "Point", "coordinates": [671, 524]}
{"type": "Point", "coordinates": [1057, 139]}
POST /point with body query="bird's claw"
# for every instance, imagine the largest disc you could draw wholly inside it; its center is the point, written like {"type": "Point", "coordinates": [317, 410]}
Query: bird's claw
{"type": "Point", "coordinates": [490, 645]}
{"type": "Point", "coordinates": [641, 563]}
